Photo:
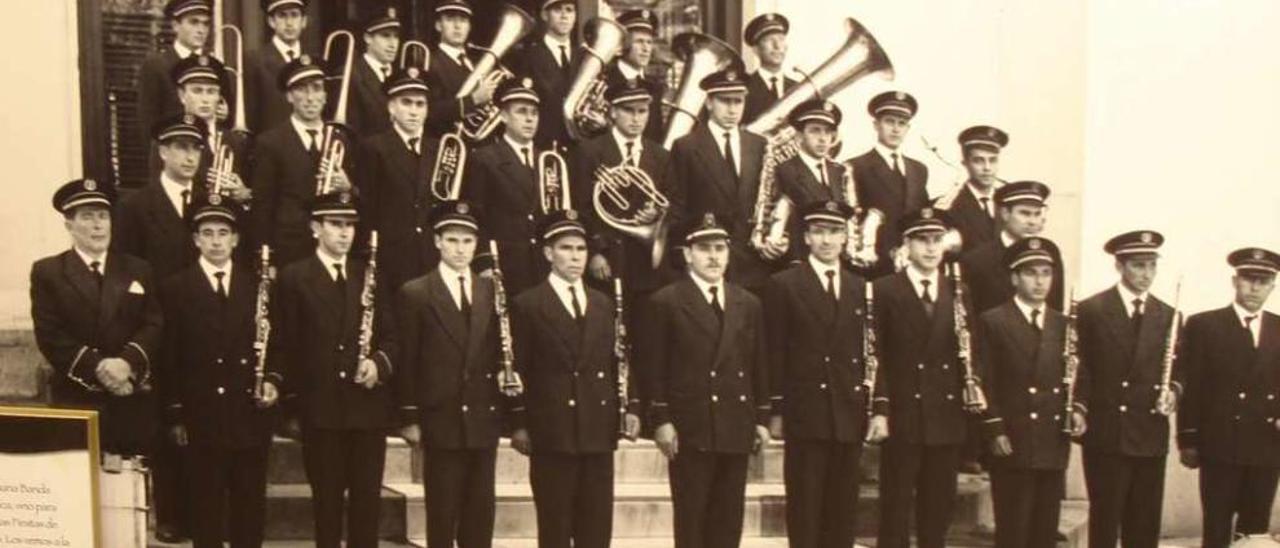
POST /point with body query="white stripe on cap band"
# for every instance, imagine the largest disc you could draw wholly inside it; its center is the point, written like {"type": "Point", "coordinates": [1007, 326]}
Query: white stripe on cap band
{"type": "Point", "coordinates": [924, 228]}
{"type": "Point", "coordinates": [383, 25]}
{"type": "Point", "coordinates": [769, 27]}
{"type": "Point", "coordinates": [283, 3]}
{"type": "Point", "coordinates": [563, 229]}
{"type": "Point", "coordinates": [408, 86]}
{"type": "Point", "coordinates": [973, 142]}
{"type": "Point", "coordinates": [180, 132]}
{"type": "Point", "coordinates": [640, 24]}
{"type": "Point", "coordinates": [632, 99]}
{"type": "Point", "coordinates": [1030, 257]}
{"type": "Point", "coordinates": [178, 13]}
{"type": "Point", "coordinates": [305, 74]}
{"type": "Point", "coordinates": [213, 214]}
{"type": "Point", "coordinates": [697, 234]}
{"type": "Point", "coordinates": [456, 222]}
{"type": "Point", "coordinates": [348, 211]}
{"type": "Point", "coordinates": [520, 95]}
{"type": "Point", "coordinates": [824, 117]}
{"type": "Point", "coordinates": [1023, 196]}
{"type": "Point", "coordinates": [85, 200]}
{"type": "Point", "coordinates": [894, 108]}
{"type": "Point", "coordinates": [727, 88]}
{"type": "Point", "coordinates": [453, 7]}
{"type": "Point", "coordinates": [823, 217]}
{"type": "Point", "coordinates": [197, 74]}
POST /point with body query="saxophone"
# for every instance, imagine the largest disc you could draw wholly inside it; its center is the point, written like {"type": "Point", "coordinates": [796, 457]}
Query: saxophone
{"type": "Point", "coordinates": [365, 340]}
{"type": "Point", "coordinates": [975, 400]}
{"type": "Point", "coordinates": [1170, 355]}
{"type": "Point", "coordinates": [1071, 363]}
{"type": "Point", "coordinates": [870, 357]}
{"type": "Point", "coordinates": [262, 322]}
{"type": "Point", "coordinates": [621, 351]}
{"type": "Point", "coordinates": [509, 381]}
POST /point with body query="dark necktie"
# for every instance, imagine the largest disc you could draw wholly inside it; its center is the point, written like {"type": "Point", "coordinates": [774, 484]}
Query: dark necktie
{"type": "Point", "coordinates": [831, 288]}
{"type": "Point", "coordinates": [186, 201]}
{"type": "Point", "coordinates": [715, 305]}
{"type": "Point", "coordinates": [292, 53]}
{"type": "Point", "coordinates": [1035, 320]}
{"type": "Point", "coordinates": [1136, 319]}
{"type": "Point", "coordinates": [314, 146]}
{"type": "Point", "coordinates": [986, 205]}
{"type": "Point", "coordinates": [464, 61]}
{"type": "Point", "coordinates": [728, 154]}
{"type": "Point", "coordinates": [774, 88]}
{"type": "Point", "coordinates": [465, 306]}
{"type": "Point", "coordinates": [413, 144]}
{"type": "Point", "coordinates": [386, 72]}
{"type": "Point", "coordinates": [564, 57]}
{"type": "Point", "coordinates": [340, 280]}
{"type": "Point", "coordinates": [1248, 326]}
{"type": "Point", "coordinates": [526, 157]}
{"type": "Point", "coordinates": [897, 164]}
{"type": "Point", "coordinates": [577, 305]}
{"type": "Point", "coordinates": [822, 172]}
{"type": "Point", "coordinates": [222, 287]}
{"type": "Point", "coordinates": [631, 154]}
{"type": "Point", "coordinates": [96, 268]}
{"type": "Point", "coordinates": [926, 299]}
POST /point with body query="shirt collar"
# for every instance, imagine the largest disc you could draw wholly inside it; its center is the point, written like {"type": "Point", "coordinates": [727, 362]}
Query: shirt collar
{"type": "Point", "coordinates": [555, 44]}
{"type": "Point", "coordinates": [815, 163]}
{"type": "Point", "coordinates": [327, 261]}
{"type": "Point", "coordinates": [406, 136]}
{"type": "Point", "coordinates": [517, 146]}
{"type": "Point", "coordinates": [562, 285]}
{"type": "Point", "coordinates": [1241, 313]}
{"type": "Point", "coordinates": [452, 51]}
{"type": "Point", "coordinates": [622, 141]}
{"type": "Point", "coordinates": [1127, 297]}
{"type": "Point", "coordinates": [1006, 240]}
{"type": "Point", "coordinates": [820, 268]}
{"type": "Point", "coordinates": [182, 50]}
{"type": "Point", "coordinates": [916, 276]}
{"type": "Point", "coordinates": [718, 130]}
{"type": "Point", "coordinates": [449, 274]}
{"type": "Point", "coordinates": [375, 64]}
{"type": "Point", "coordinates": [887, 153]}
{"type": "Point", "coordinates": [705, 288]}
{"type": "Point", "coordinates": [210, 269]}
{"type": "Point", "coordinates": [87, 258]}
{"type": "Point", "coordinates": [629, 72]}
{"type": "Point", "coordinates": [1026, 309]}
{"type": "Point", "coordinates": [979, 194]}
{"type": "Point", "coordinates": [301, 128]}
{"type": "Point", "coordinates": [284, 48]}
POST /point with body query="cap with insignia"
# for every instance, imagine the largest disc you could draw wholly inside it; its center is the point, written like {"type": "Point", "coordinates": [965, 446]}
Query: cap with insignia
{"type": "Point", "coordinates": [409, 80]}
{"type": "Point", "coordinates": [271, 6]}
{"type": "Point", "coordinates": [455, 7]}
{"type": "Point", "coordinates": [815, 110]}
{"type": "Point", "coordinates": [197, 68]}
{"type": "Point", "coordinates": [82, 192]}
{"type": "Point", "coordinates": [564, 222]}
{"type": "Point", "coordinates": [923, 221]}
{"type": "Point", "coordinates": [709, 226]}
{"type": "Point", "coordinates": [384, 21]}
{"type": "Point", "coordinates": [178, 127]}
{"type": "Point", "coordinates": [826, 211]}
{"type": "Point", "coordinates": [729, 80]}
{"type": "Point", "coordinates": [983, 137]}
{"type": "Point", "coordinates": [764, 24]}
{"type": "Point", "coordinates": [213, 208]}
{"type": "Point", "coordinates": [1022, 192]}
{"type": "Point", "coordinates": [900, 103]}
{"type": "Point", "coordinates": [517, 89]}
{"type": "Point", "coordinates": [334, 204]}
{"type": "Point", "coordinates": [548, 4]}
{"type": "Point", "coordinates": [177, 9]}
{"type": "Point", "coordinates": [1254, 260]}
{"type": "Point", "coordinates": [454, 214]}
{"type": "Point", "coordinates": [1137, 242]}
{"type": "Point", "coordinates": [626, 91]}
{"type": "Point", "coordinates": [1030, 251]}
{"type": "Point", "coordinates": [299, 71]}
{"type": "Point", "coordinates": [639, 20]}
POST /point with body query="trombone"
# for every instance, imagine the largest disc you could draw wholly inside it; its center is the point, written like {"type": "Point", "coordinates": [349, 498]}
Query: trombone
{"type": "Point", "coordinates": [224, 156]}
{"type": "Point", "coordinates": [333, 147]}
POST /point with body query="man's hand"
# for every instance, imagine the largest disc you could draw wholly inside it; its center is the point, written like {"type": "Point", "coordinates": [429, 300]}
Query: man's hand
{"type": "Point", "coordinates": [486, 273]}
{"type": "Point", "coordinates": [1001, 446]}
{"type": "Point", "coordinates": [270, 394]}
{"type": "Point", "coordinates": [367, 373]}
{"type": "Point", "coordinates": [1167, 403]}
{"type": "Point", "coordinates": [233, 186]}
{"type": "Point", "coordinates": [520, 441]}
{"type": "Point", "coordinates": [762, 438]}
{"type": "Point", "coordinates": [599, 267]}
{"type": "Point", "coordinates": [178, 435]}
{"type": "Point", "coordinates": [1190, 457]}
{"type": "Point", "coordinates": [631, 426]}
{"type": "Point", "coordinates": [665, 438]}
{"type": "Point", "coordinates": [877, 429]}
{"type": "Point", "coordinates": [775, 427]}
{"type": "Point", "coordinates": [774, 249]}
{"type": "Point", "coordinates": [484, 91]}
{"type": "Point", "coordinates": [412, 434]}
{"type": "Point", "coordinates": [647, 214]}
{"type": "Point", "coordinates": [1078, 424]}
{"type": "Point", "coordinates": [114, 375]}
{"type": "Point", "coordinates": [865, 258]}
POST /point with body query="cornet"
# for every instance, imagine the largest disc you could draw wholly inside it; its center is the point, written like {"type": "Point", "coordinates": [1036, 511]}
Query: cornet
{"type": "Point", "coordinates": [553, 181]}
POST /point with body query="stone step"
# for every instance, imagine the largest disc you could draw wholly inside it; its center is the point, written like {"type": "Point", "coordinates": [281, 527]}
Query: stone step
{"type": "Point", "coordinates": [285, 465]}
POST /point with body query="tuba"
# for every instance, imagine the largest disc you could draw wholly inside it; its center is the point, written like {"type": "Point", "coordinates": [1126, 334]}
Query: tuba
{"type": "Point", "coordinates": [621, 194]}
{"type": "Point", "coordinates": [702, 55]}
{"type": "Point", "coordinates": [514, 24]}
{"type": "Point", "coordinates": [553, 181]}
{"type": "Point", "coordinates": [859, 57]}
{"type": "Point", "coordinates": [333, 140]}
{"type": "Point", "coordinates": [585, 109]}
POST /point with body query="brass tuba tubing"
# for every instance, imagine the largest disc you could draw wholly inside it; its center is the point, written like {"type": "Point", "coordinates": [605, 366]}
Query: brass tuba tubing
{"type": "Point", "coordinates": [702, 55]}
{"type": "Point", "coordinates": [607, 39]}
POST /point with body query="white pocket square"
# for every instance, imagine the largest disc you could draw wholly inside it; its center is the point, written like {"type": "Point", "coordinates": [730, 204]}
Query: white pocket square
{"type": "Point", "coordinates": [136, 288]}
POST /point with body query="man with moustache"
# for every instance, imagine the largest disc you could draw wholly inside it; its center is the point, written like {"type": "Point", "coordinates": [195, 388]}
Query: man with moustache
{"type": "Point", "coordinates": [266, 102]}
{"type": "Point", "coordinates": [971, 205]}
{"type": "Point", "coordinates": [367, 111]}
{"type": "Point", "coordinates": [451, 65]}
{"type": "Point", "coordinates": [550, 60]}
{"type": "Point", "coordinates": [632, 66]}
{"type": "Point", "coordinates": [767, 36]}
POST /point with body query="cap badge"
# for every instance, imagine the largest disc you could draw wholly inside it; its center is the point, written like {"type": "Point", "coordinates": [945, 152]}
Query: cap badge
{"type": "Point", "coordinates": [644, 14]}
{"type": "Point", "coordinates": [391, 12]}
{"type": "Point", "coordinates": [709, 219]}
{"type": "Point", "coordinates": [731, 76]}
{"type": "Point", "coordinates": [413, 72]}
{"type": "Point", "coordinates": [344, 198]}
{"type": "Point", "coordinates": [463, 209]}
{"type": "Point", "coordinates": [828, 107]}
{"type": "Point", "coordinates": [991, 132]}
{"type": "Point", "coordinates": [926, 213]}
{"type": "Point", "coordinates": [1258, 254]}
{"type": "Point", "coordinates": [304, 59]}
{"type": "Point", "coordinates": [1034, 244]}
{"type": "Point", "coordinates": [188, 119]}
{"type": "Point", "coordinates": [833, 207]}
{"type": "Point", "coordinates": [769, 17]}
{"type": "Point", "coordinates": [203, 60]}
{"type": "Point", "coordinates": [527, 82]}
{"type": "Point", "coordinates": [90, 185]}
{"type": "Point", "coordinates": [571, 214]}
{"type": "Point", "coordinates": [900, 96]}
{"type": "Point", "coordinates": [215, 199]}
{"type": "Point", "coordinates": [1147, 237]}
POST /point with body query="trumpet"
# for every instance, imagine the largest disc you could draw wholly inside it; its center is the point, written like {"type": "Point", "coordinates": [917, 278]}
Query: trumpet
{"type": "Point", "coordinates": [509, 381]}
{"type": "Point", "coordinates": [623, 196]}
{"type": "Point", "coordinates": [1070, 364]}
{"type": "Point", "coordinates": [333, 147]}
{"type": "Point", "coordinates": [262, 322]}
{"type": "Point", "coordinates": [451, 161]}
{"type": "Point", "coordinates": [513, 26]}
{"type": "Point", "coordinates": [702, 55]}
{"type": "Point", "coordinates": [975, 400]}
{"type": "Point", "coordinates": [585, 108]}
{"type": "Point", "coordinates": [553, 181]}
{"type": "Point", "coordinates": [224, 156]}
{"type": "Point", "coordinates": [1170, 355]}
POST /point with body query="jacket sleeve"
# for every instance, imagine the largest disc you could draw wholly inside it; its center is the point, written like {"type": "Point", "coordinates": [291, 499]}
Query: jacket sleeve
{"type": "Point", "coordinates": [386, 336]}
{"type": "Point", "coordinates": [678, 192]}
{"type": "Point", "coordinates": [69, 356]}
{"type": "Point", "coordinates": [760, 365]}
{"type": "Point", "coordinates": [281, 352]}
{"type": "Point", "coordinates": [168, 377]}
{"type": "Point", "coordinates": [265, 182]}
{"type": "Point", "coordinates": [144, 342]}
{"type": "Point", "coordinates": [1086, 352]}
{"type": "Point", "coordinates": [879, 311]}
{"type": "Point", "coordinates": [476, 189]}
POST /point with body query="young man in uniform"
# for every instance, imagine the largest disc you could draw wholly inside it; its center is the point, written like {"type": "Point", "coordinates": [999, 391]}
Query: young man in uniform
{"type": "Point", "coordinates": [266, 102]}
{"type": "Point", "coordinates": [367, 111]}
{"type": "Point", "coordinates": [971, 204]}
{"type": "Point", "coordinates": [767, 36]}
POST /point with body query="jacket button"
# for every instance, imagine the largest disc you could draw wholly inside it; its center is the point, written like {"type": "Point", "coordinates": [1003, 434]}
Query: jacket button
{"type": "Point", "coordinates": [1271, 396]}
{"type": "Point", "coordinates": [1237, 417]}
{"type": "Point", "coordinates": [713, 374]}
{"type": "Point", "coordinates": [599, 374]}
{"type": "Point", "coordinates": [341, 348]}
{"type": "Point", "coordinates": [243, 361]}
{"type": "Point", "coordinates": [945, 367]}
{"type": "Point", "coordinates": [530, 216]}
{"type": "Point", "coordinates": [218, 361]}
{"type": "Point", "coordinates": [827, 359]}
{"type": "Point", "coordinates": [823, 386]}
{"type": "Point", "coordinates": [342, 374]}
{"type": "Point", "coordinates": [1057, 418]}
{"type": "Point", "coordinates": [1242, 395]}
{"type": "Point", "coordinates": [917, 396]}
{"type": "Point", "coordinates": [742, 397]}
{"type": "Point", "coordinates": [1034, 415]}
{"type": "Point", "coordinates": [603, 402]}
{"type": "Point", "coordinates": [1031, 390]}
{"type": "Point", "coordinates": [1124, 384]}
{"type": "Point", "coordinates": [951, 397]}
{"type": "Point", "coordinates": [715, 398]}
{"type": "Point", "coordinates": [533, 240]}
{"type": "Point", "coordinates": [741, 374]}
{"type": "Point", "coordinates": [573, 403]}
{"type": "Point", "coordinates": [464, 408]}
{"type": "Point", "coordinates": [575, 373]}
{"type": "Point", "coordinates": [221, 390]}
{"type": "Point", "coordinates": [1056, 390]}
{"type": "Point", "coordinates": [920, 366]}
{"type": "Point", "coordinates": [1123, 408]}
{"type": "Point", "coordinates": [489, 376]}
{"type": "Point", "coordinates": [493, 408]}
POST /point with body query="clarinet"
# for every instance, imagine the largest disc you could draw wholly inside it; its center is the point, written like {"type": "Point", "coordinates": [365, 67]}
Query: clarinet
{"type": "Point", "coordinates": [975, 400]}
{"type": "Point", "coordinates": [622, 351]}
{"type": "Point", "coordinates": [365, 340]}
{"type": "Point", "coordinates": [262, 322]}
{"type": "Point", "coordinates": [509, 381]}
{"type": "Point", "coordinates": [870, 357]}
{"type": "Point", "coordinates": [1170, 355]}
{"type": "Point", "coordinates": [1071, 363]}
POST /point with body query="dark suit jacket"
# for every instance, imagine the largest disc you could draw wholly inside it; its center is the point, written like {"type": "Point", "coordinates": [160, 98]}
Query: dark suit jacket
{"type": "Point", "coordinates": [656, 129]}
{"type": "Point", "coordinates": [284, 183]}
{"type": "Point", "coordinates": [552, 84]}
{"type": "Point", "coordinates": [396, 201]}
{"type": "Point", "coordinates": [712, 385]}
{"type": "Point", "coordinates": [264, 99]}
{"type": "Point", "coordinates": [1022, 377]}
{"type": "Point", "coordinates": [1229, 402]}
{"type": "Point", "coordinates": [987, 276]}
{"type": "Point", "coordinates": [147, 226]}
{"type": "Point", "coordinates": [206, 367]}
{"type": "Point", "coordinates": [880, 187]}
{"type": "Point", "coordinates": [507, 193]}
{"type": "Point", "coordinates": [77, 325]}
{"type": "Point", "coordinates": [628, 255]}
{"type": "Point", "coordinates": [1119, 377]}
{"type": "Point", "coordinates": [701, 181]}
{"type": "Point", "coordinates": [315, 347]}
{"type": "Point", "coordinates": [367, 110]}
{"type": "Point", "coordinates": [759, 98]}
{"type": "Point", "coordinates": [157, 96]}
{"type": "Point", "coordinates": [976, 227]}
{"type": "Point", "coordinates": [815, 356]}
{"type": "Point", "coordinates": [919, 361]}
{"type": "Point", "coordinates": [797, 182]}
{"type": "Point", "coordinates": [569, 370]}
{"type": "Point", "coordinates": [448, 382]}
{"type": "Point", "coordinates": [444, 79]}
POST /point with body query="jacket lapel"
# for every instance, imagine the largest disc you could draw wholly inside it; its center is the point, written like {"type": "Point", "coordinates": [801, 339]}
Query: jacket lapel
{"type": "Point", "coordinates": [481, 315]}
{"type": "Point", "coordinates": [890, 181]}
{"type": "Point", "coordinates": [695, 304]}
{"type": "Point", "coordinates": [517, 174]}
{"type": "Point", "coordinates": [913, 184]}
{"type": "Point", "coordinates": [554, 313]}
{"type": "Point", "coordinates": [1151, 335]}
{"type": "Point", "coordinates": [914, 308]}
{"type": "Point", "coordinates": [714, 158]}
{"type": "Point", "coordinates": [1018, 327]}
{"type": "Point", "coordinates": [1268, 344]}
{"type": "Point", "coordinates": [321, 283]}
{"type": "Point", "coordinates": [943, 312]}
{"type": "Point", "coordinates": [446, 310]}
{"type": "Point", "coordinates": [80, 277]}
{"type": "Point", "coordinates": [1118, 321]}
{"type": "Point", "coordinates": [752, 154]}
{"type": "Point", "coordinates": [814, 292]}
{"type": "Point", "coordinates": [115, 282]}
{"type": "Point", "coordinates": [733, 319]}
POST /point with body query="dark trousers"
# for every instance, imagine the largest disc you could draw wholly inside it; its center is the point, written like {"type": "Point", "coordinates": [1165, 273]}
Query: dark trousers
{"type": "Point", "coordinates": [708, 492]}
{"type": "Point", "coordinates": [1027, 505]}
{"type": "Point", "coordinates": [573, 496]}
{"type": "Point", "coordinates": [1125, 496]}
{"type": "Point", "coordinates": [460, 496]}
{"type": "Point", "coordinates": [229, 494]}
{"type": "Point", "coordinates": [169, 487]}
{"type": "Point", "coordinates": [344, 468]}
{"type": "Point", "coordinates": [822, 492]}
{"type": "Point", "coordinates": [925, 475]}
{"type": "Point", "coordinates": [1235, 493]}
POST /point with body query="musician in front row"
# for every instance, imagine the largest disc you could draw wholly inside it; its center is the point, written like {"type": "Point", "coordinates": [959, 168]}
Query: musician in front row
{"type": "Point", "coordinates": [215, 405]}
{"type": "Point", "coordinates": [972, 203]}
{"type": "Point", "coordinates": [707, 383]}
{"type": "Point", "coordinates": [809, 176]}
{"type": "Point", "coordinates": [920, 359]}
{"type": "Point", "coordinates": [332, 341]}
{"type": "Point", "coordinates": [821, 399]}
{"type": "Point", "coordinates": [1020, 355]}
{"type": "Point", "coordinates": [887, 179]}
{"type": "Point", "coordinates": [564, 347]}
{"type": "Point", "coordinates": [447, 388]}
{"type": "Point", "coordinates": [1229, 365]}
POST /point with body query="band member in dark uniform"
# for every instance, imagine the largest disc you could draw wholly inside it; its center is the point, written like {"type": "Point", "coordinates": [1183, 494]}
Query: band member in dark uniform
{"type": "Point", "coordinates": [451, 64]}
{"type": "Point", "coordinates": [809, 176]}
{"type": "Point", "coordinates": [447, 389]}
{"type": "Point", "coordinates": [972, 205]}
{"type": "Point", "coordinates": [1019, 354]}
{"type": "Point", "coordinates": [157, 96]}
{"type": "Point", "coordinates": [550, 60]}
{"type": "Point", "coordinates": [631, 66]}
{"type": "Point", "coordinates": [286, 164]}
{"type": "Point", "coordinates": [767, 36]}
{"type": "Point", "coordinates": [266, 102]}
{"type": "Point", "coordinates": [888, 180]}
{"type": "Point", "coordinates": [1123, 334]}
{"type": "Point", "coordinates": [1021, 209]}
{"type": "Point", "coordinates": [337, 375]}
{"type": "Point", "coordinates": [393, 169]}
{"type": "Point", "coordinates": [814, 321]}
{"type": "Point", "coordinates": [564, 343]}
{"type": "Point", "coordinates": [915, 315]}
{"type": "Point", "coordinates": [98, 322]}
{"type": "Point", "coordinates": [717, 168]}
{"type": "Point", "coordinates": [200, 80]}
{"type": "Point", "coordinates": [206, 375]}
{"type": "Point", "coordinates": [367, 112]}
{"type": "Point", "coordinates": [707, 384]}
{"type": "Point", "coordinates": [1229, 364]}
{"type": "Point", "coordinates": [502, 180]}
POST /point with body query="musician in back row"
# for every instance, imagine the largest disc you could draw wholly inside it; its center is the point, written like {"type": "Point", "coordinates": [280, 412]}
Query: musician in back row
{"type": "Point", "coordinates": [633, 65]}
{"type": "Point", "coordinates": [266, 102]}
{"type": "Point", "coordinates": [809, 176]}
{"type": "Point", "coordinates": [157, 96]}
{"type": "Point", "coordinates": [550, 59]}
{"type": "Point", "coordinates": [201, 82]}
{"type": "Point", "coordinates": [767, 36]}
{"type": "Point", "coordinates": [1022, 208]}
{"type": "Point", "coordinates": [972, 203]}
{"type": "Point", "coordinates": [451, 65]}
{"type": "Point", "coordinates": [367, 112]}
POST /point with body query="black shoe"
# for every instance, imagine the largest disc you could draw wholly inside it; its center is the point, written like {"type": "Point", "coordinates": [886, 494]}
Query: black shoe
{"type": "Point", "coordinates": [169, 534]}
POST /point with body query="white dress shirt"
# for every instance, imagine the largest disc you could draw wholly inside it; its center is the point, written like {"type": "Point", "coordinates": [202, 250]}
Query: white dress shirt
{"type": "Point", "coordinates": [637, 146]}
{"type": "Point", "coordinates": [562, 288]}
{"type": "Point", "coordinates": [211, 270]}
{"type": "Point", "coordinates": [820, 269]}
{"type": "Point", "coordinates": [705, 288]}
{"type": "Point", "coordinates": [1127, 297]}
{"type": "Point", "coordinates": [328, 262]}
{"type": "Point", "coordinates": [450, 278]}
{"type": "Point", "coordinates": [774, 79]}
{"type": "Point", "coordinates": [1007, 240]}
{"type": "Point", "coordinates": [978, 196]}
{"type": "Point", "coordinates": [378, 67]}
{"type": "Point", "coordinates": [302, 129]}
{"type": "Point", "coordinates": [406, 136]}
{"type": "Point", "coordinates": [1255, 326]}
{"type": "Point", "coordinates": [629, 72]}
{"type": "Point", "coordinates": [1026, 309]}
{"type": "Point", "coordinates": [554, 44]}
{"type": "Point", "coordinates": [182, 50]}
{"type": "Point", "coordinates": [284, 48]}
{"type": "Point", "coordinates": [173, 190]}
{"type": "Point", "coordinates": [917, 282]}
{"type": "Point", "coordinates": [888, 153]}
{"type": "Point", "coordinates": [520, 149]}
{"type": "Point", "coordinates": [735, 140]}
{"type": "Point", "coordinates": [453, 53]}
{"type": "Point", "coordinates": [816, 165]}
{"type": "Point", "coordinates": [89, 259]}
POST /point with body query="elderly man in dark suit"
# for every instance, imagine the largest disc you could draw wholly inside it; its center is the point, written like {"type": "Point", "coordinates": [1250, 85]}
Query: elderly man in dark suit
{"type": "Point", "coordinates": [266, 102]}
{"type": "Point", "coordinates": [971, 205]}
{"type": "Point", "coordinates": [451, 64]}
